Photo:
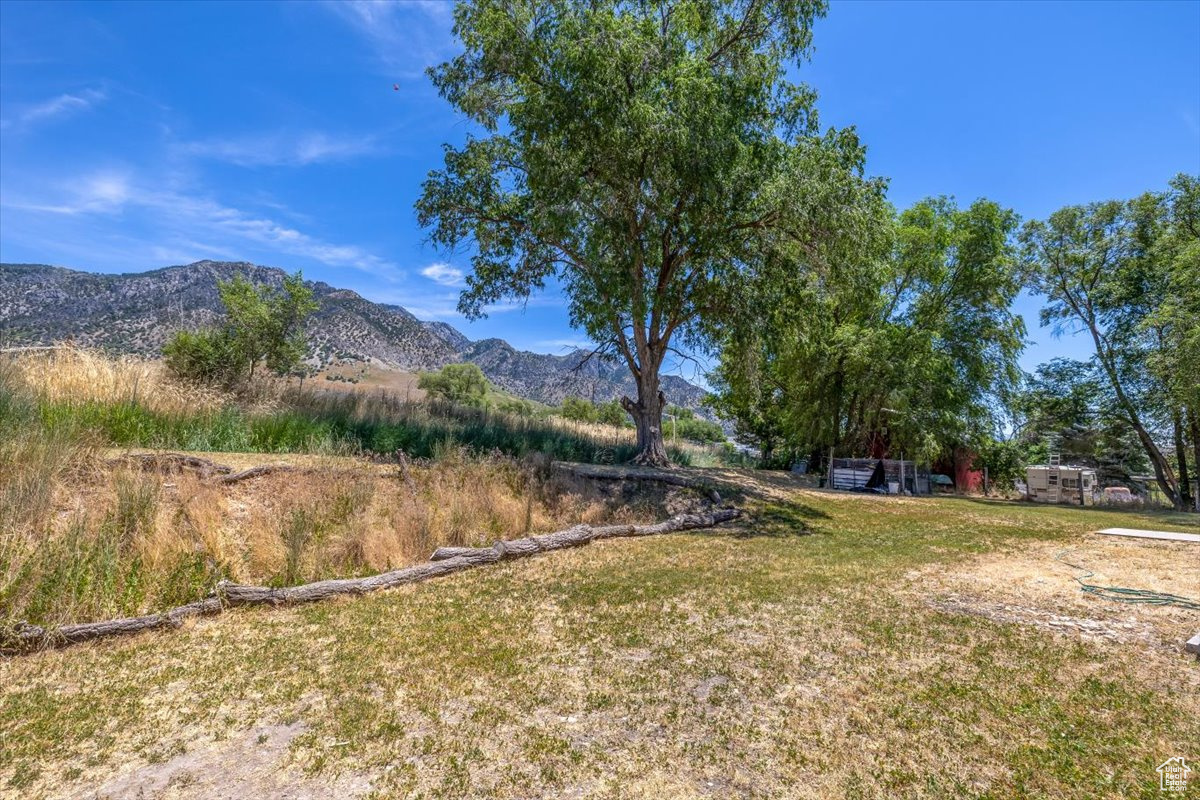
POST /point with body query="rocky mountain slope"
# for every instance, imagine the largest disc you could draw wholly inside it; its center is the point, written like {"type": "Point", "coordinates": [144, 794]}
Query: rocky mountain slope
{"type": "Point", "coordinates": [135, 313]}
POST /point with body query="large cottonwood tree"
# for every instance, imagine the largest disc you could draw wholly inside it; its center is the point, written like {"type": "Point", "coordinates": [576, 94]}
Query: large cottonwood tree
{"type": "Point", "coordinates": [651, 158]}
{"type": "Point", "coordinates": [1126, 273]}
{"type": "Point", "coordinates": [905, 345]}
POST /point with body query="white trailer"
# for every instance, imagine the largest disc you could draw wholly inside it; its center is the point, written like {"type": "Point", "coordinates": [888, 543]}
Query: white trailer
{"type": "Point", "coordinates": [1061, 483]}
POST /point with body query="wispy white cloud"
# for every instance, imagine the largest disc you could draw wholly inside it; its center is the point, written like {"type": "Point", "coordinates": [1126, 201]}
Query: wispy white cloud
{"type": "Point", "coordinates": [284, 149]}
{"type": "Point", "coordinates": [406, 35]}
{"type": "Point", "coordinates": [421, 309]}
{"type": "Point", "coordinates": [184, 216]}
{"type": "Point", "coordinates": [63, 105]}
{"type": "Point", "coordinates": [100, 192]}
{"type": "Point", "coordinates": [441, 273]}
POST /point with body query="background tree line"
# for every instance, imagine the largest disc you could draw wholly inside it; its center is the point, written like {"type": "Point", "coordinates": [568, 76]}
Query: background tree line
{"type": "Point", "coordinates": [908, 342]}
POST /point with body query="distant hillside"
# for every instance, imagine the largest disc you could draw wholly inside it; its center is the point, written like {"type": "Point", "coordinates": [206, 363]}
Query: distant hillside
{"type": "Point", "coordinates": [136, 312]}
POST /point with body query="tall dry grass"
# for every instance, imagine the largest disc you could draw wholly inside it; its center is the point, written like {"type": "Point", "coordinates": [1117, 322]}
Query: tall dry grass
{"type": "Point", "coordinates": [72, 376]}
{"type": "Point", "coordinates": [86, 535]}
{"type": "Point", "coordinates": [111, 541]}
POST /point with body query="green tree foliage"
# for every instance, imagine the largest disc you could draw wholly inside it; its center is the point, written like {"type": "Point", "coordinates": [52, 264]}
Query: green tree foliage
{"type": "Point", "coordinates": [1127, 274]}
{"type": "Point", "coordinates": [1067, 407]}
{"type": "Point", "coordinates": [684, 424]}
{"type": "Point", "coordinates": [905, 342]}
{"type": "Point", "coordinates": [1004, 461]}
{"type": "Point", "coordinates": [652, 159]}
{"type": "Point", "coordinates": [611, 413]}
{"type": "Point", "coordinates": [207, 356]}
{"type": "Point", "coordinates": [582, 410]}
{"type": "Point", "coordinates": [262, 325]}
{"type": "Point", "coordinates": [461, 384]}
{"type": "Point", "coordinates": [577, 409]}
{"type": "Point", "coordinates": [515, 406]}
{"type": "Point", "coordinates": [1168, 226]}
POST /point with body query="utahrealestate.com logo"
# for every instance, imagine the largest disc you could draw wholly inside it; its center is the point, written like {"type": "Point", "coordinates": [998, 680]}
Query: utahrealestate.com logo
{"type": "Point", "coordinates": [1173, 774]}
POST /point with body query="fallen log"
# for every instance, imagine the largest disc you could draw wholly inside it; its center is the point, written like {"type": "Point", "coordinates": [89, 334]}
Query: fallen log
{"type": "Point", "coordinates": [515, 548]}
{"type": "Point", "coordinates": [177, 461]}
{"type": "Point", "coordinates": [602, 472]}
{"type": "Point", "coordinates": [583, 535]}
{"type": "Point", "coordinates": [209, 470]}
{"type": "Point", "coordinates": [254, 472]}
{"type": "Point", "coordinates": [445, 561]}
{"type": "Point", "coordinates": [28, 637]}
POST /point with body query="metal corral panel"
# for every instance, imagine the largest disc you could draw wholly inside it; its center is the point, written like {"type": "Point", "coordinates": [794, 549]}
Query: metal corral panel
{"type": "Point", "coordinates": [849, 478]}
{"type": "Point", "coordinates": [853, 473]}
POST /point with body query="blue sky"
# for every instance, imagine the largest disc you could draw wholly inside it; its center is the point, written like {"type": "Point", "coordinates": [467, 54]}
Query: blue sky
{"type": "Point", "coordinates": [135, 136]}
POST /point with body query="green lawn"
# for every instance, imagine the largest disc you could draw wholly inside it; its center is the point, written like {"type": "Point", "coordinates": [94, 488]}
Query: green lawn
{"type": "Point", "coordinates": [816, 650]}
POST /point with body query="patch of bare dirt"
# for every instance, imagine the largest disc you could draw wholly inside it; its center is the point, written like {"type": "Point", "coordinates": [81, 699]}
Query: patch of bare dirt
{"type": "Point", "coordinates": [1035, 584]}
{"type": "Point", "coordinates": [254, 763]}
{"type": "Point", "coordinates": [1094, 629]}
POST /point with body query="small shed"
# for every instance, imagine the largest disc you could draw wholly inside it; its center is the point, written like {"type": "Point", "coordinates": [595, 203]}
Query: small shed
{"type": "Point", "coordinates": [1061, 483]}
{"type": "Point", "coordinates": [897, 477]}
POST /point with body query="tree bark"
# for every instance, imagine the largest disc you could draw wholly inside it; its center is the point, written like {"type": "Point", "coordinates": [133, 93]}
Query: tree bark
{"type": "Point", "coordinates": [1162, 468]}
{"type": "Point", "coordinates": [647, 415]}
{"type": "Point", "coordinates": [1194, 424]}
{"type": "Point", "coordinates": [254, 472]}
{"type": "Point", "coordinates": [173, 461]}
{"type": "Point", "coordinates": [619, 473]}
{"type": "Point", "coordinates": [1185, 486]}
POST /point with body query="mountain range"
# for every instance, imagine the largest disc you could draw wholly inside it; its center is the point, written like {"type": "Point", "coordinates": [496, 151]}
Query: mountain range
{"type": "Point", "coordinates": [135, 313]}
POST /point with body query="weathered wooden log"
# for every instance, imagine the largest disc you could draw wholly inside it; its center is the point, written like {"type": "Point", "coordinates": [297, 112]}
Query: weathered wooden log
{"type": "Point", "coordinates": [445, 561]}
{"type": "Point", "coordinates": [254, 472]}
{"type": "Point", "coordinates": [219, 473]}
{"type": "Point", "coordinates": [582, 534]}
{"type": "Point", "coordinates": [680, 522]}
{"type": "Point", "coordinates": [176, 461]}
{"type": "Point", "coordinates": [29, 637]}
{"type": "Point", "coordinates": [618, 473]}
{"type": "Point", "coordinates": [240, 595]}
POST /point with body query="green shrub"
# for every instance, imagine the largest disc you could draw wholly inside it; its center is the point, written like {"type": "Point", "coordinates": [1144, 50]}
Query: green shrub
{"type": "Point", "coordinates": [514, 405]}
{"type": "Point", "coordinates": [611, 413]}
{"type": "Point", "coordinates": [581, 410]}
{"type": "Point", "coordinates": [208, 356]}
{"type": "Point", "coordinates": [262, 325]}
{"type": "Point", "coordinates": [686, 425]}
{"type": "Point", "coordinates": [577, 409]}
{"type": "Point", "coordinates": [463, 384]}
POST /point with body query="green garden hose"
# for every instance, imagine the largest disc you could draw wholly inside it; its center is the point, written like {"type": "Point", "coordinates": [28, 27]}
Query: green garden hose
{"type": "Point", "coordinates": [1125, 595]}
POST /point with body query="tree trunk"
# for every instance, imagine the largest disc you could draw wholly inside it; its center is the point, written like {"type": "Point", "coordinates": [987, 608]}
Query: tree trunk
{"type": "Point", "coordinates": [647, 415]}
{"type": "Point", "coordinates": [1185, 485]}
{"type": "Point", "coordinates": [1162, 468]}
{"type": "Point", "coordinates": [1194, 424]}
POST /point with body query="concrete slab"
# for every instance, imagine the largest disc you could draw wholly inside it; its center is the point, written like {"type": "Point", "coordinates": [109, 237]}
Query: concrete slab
{"type": "Point", "coordinates": [1172, 536]}
{"type": "Point", "coordinates": [1193, 645]}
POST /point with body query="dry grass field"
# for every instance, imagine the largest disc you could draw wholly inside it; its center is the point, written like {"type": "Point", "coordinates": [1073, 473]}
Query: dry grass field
{"type": "Point", "coordinates": [827, 646]}
{"type": "Point", "coordinates": [366, 378]}
{"type": "Point", "coordinates": [89, 530]}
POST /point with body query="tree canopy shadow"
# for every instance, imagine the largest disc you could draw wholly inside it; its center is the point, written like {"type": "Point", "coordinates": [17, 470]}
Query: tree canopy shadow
{"type": "Point", "coordinates": [776, 521]}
